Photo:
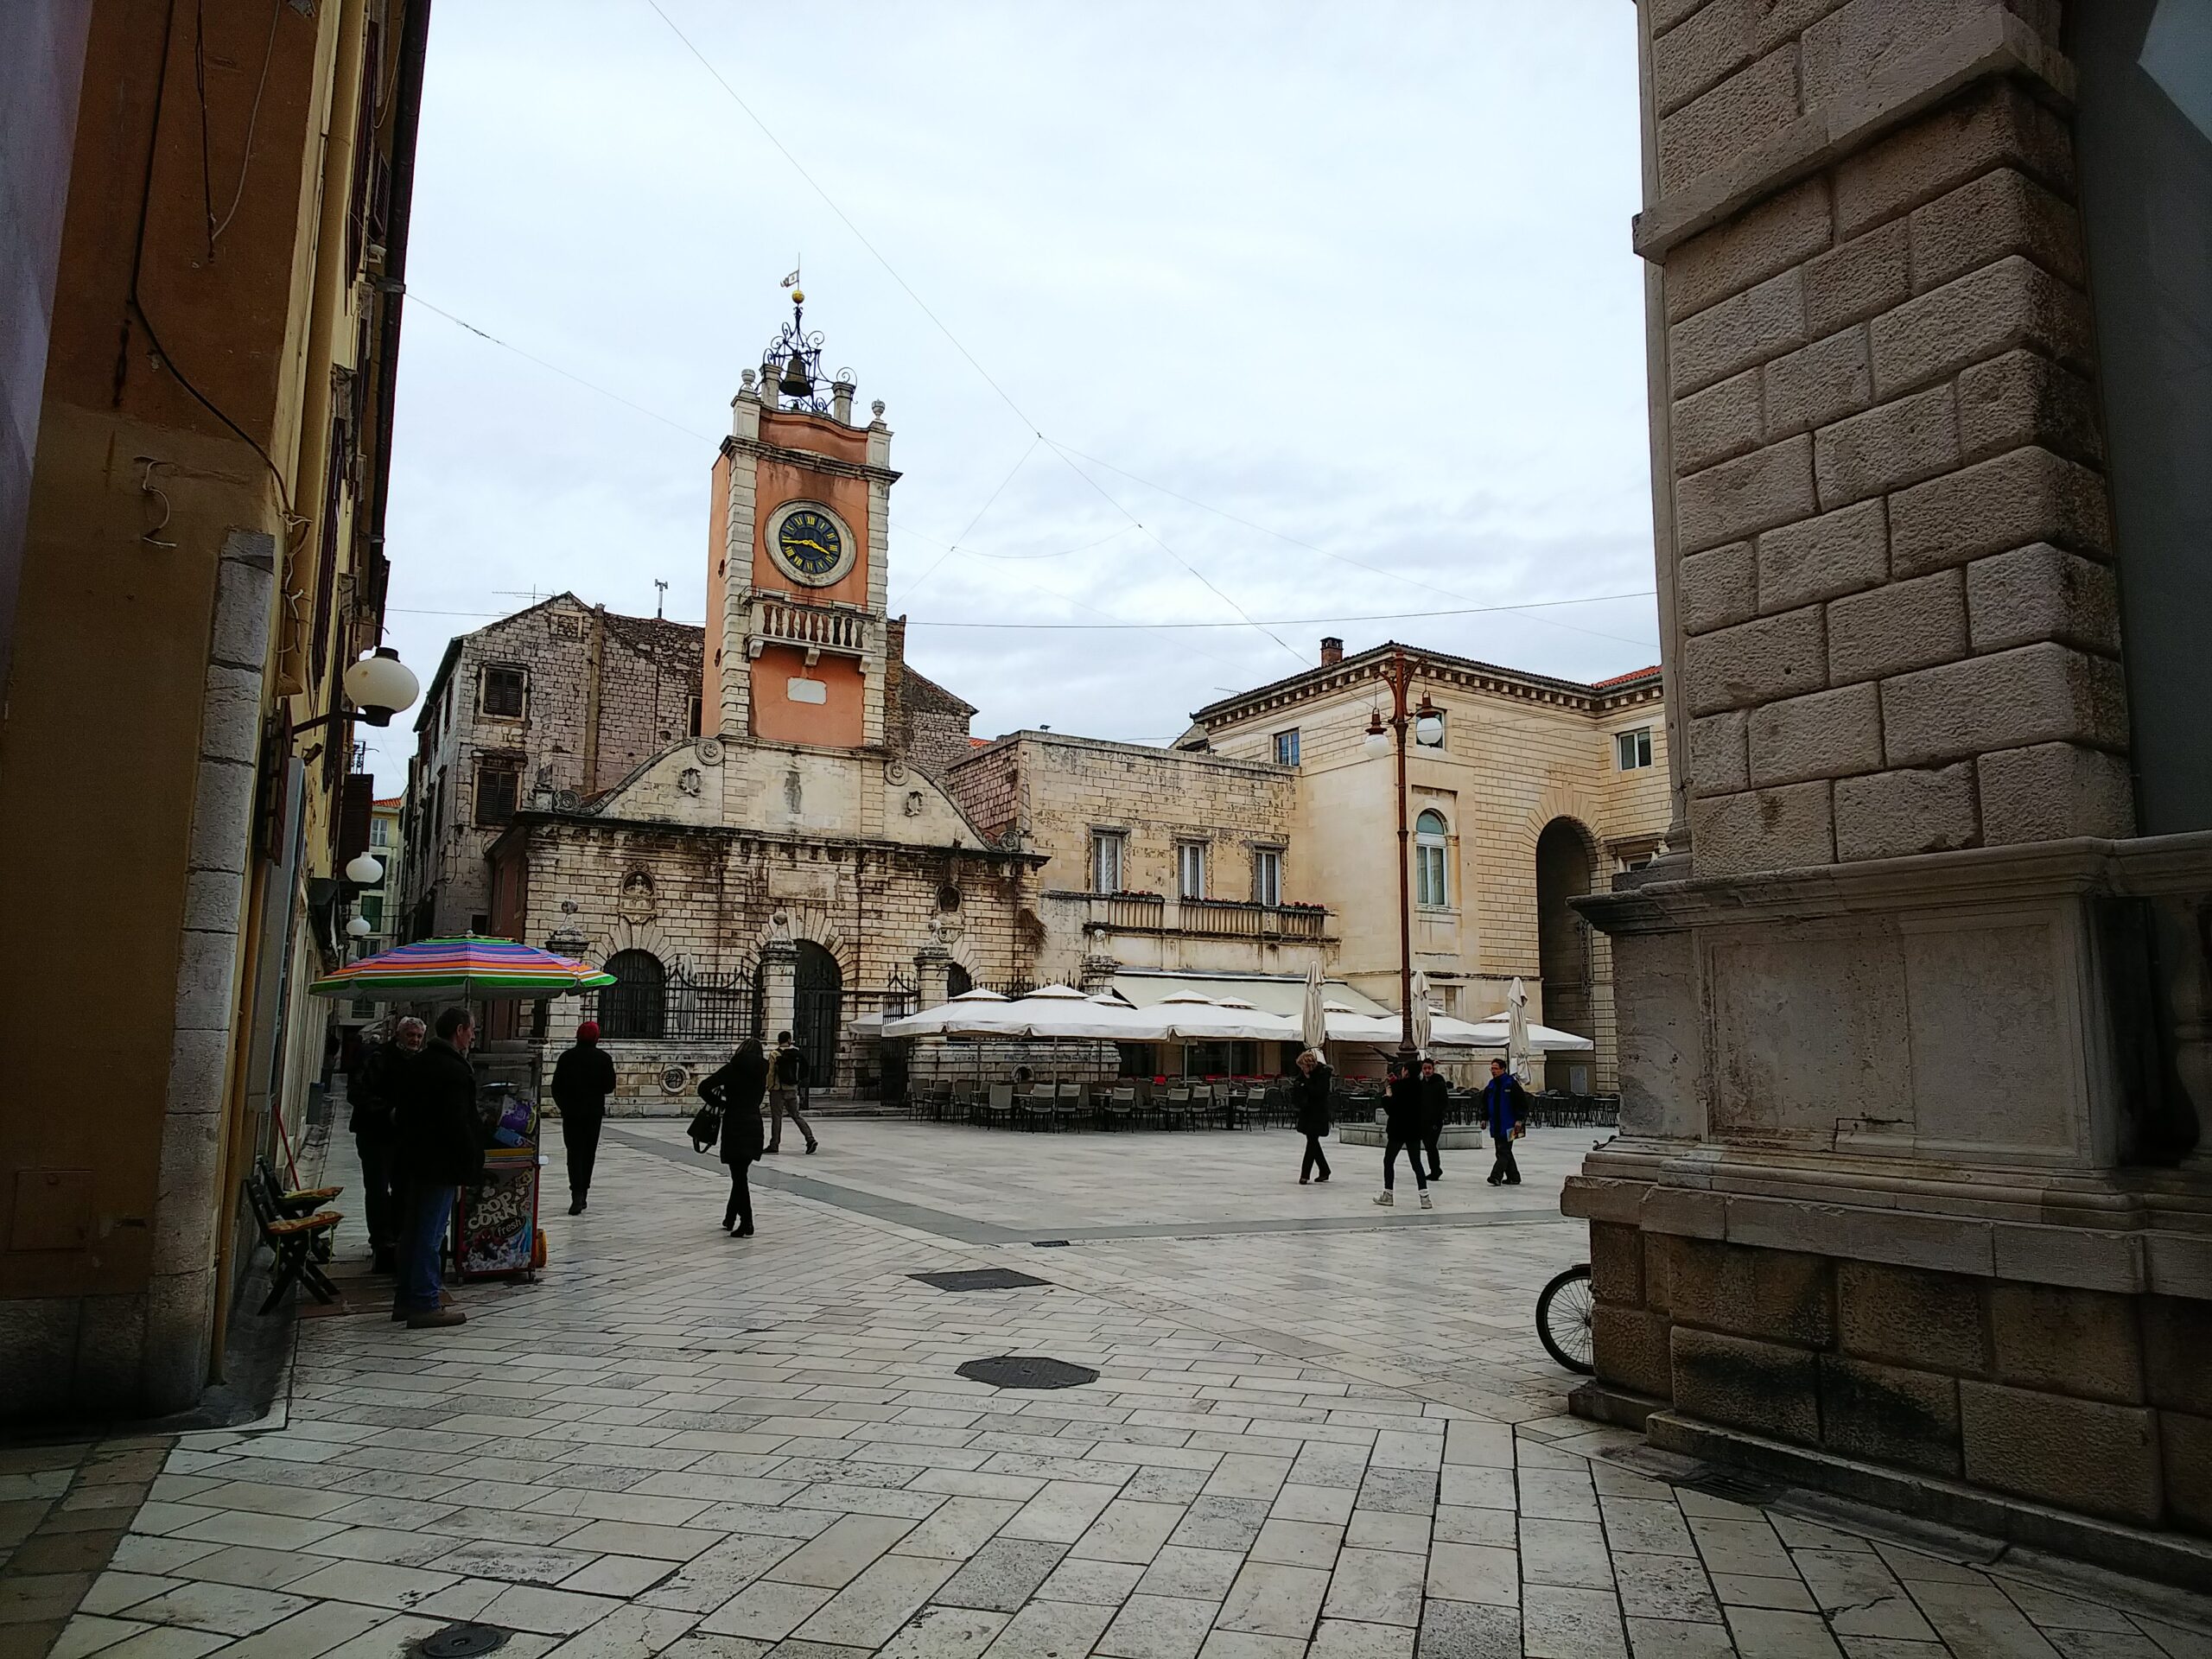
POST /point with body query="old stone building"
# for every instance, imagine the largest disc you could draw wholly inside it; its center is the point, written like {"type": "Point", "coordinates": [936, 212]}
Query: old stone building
{"type": "Point", "coordinates": [798, 865]}
{"type": "Point", "coordinates": [1537, 792]}
{"type": "Point", "coordinates": [1266, 839]}
{"type": "Point", "coordinates": [559, 702]}
{"type": "Point", "coordinates": [1158, 858]}
{"type": "Point", "coordinates": [1910, 1196]}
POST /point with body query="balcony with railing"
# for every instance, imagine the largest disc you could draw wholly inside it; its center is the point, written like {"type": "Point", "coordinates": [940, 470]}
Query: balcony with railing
{"type": "Point", "coordinates": [1213, 918]}
{"type": "Point", "coordinates": [838, 629]}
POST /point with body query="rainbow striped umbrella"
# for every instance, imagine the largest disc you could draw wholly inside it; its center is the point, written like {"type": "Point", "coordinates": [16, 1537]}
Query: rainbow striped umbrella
{"type": "Point", "coordinates": [467, 966]}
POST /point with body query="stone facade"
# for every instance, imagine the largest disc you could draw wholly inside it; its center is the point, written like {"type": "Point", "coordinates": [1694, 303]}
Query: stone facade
{"type": "Point", "coordinates": [923, 720]}
{"type": "Point", "coordinates": [559, 702]}
{"type": "Point", "coordinates": [1059, 795]}
{"type": "Point", "coordinates": [1906, 1198]}
{"type": "Point", "coordinates": [800, 868]}
{"type": "Point", "coordinates": [1523, 757]}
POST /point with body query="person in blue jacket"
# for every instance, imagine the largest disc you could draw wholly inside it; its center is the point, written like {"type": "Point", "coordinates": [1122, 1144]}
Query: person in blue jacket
{"type": "Point", "coordinates": [1505, 1107]}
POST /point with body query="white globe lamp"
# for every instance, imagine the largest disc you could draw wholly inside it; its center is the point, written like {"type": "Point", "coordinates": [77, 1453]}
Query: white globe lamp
{"type": "Point", "coordinates": [364, 871]}
{"type": "Point", "coordinates": [379, 685]}
{"type": "Point", "coordinates": [359, 928]}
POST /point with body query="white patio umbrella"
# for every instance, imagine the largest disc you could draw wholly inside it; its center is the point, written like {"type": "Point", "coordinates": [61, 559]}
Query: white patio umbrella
{"type": "Point", "coordinates": [971, 1014]}
{"type": "Point", "coordinates": [1497, 1034]}
{"type": "Point", "coordinates": [1187, 1017]}
{"type": "Point", "coordinates": [1423, 1015]}
{"type": "Point", "coordinates": [1313, 1020]}
{"type": "Point", "coordinates": [1517, 1029]}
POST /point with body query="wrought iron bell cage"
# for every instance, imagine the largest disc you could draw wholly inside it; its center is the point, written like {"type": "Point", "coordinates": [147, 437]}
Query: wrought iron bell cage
{"type": "Point", "coordinates": [790, 367]}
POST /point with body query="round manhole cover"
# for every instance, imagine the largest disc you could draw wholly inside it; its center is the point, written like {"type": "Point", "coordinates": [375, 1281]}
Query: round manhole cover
{"type": "Point", "coordinates": [1027, 1371]}
{"type": "Point", "coordinates": [459, 1641]}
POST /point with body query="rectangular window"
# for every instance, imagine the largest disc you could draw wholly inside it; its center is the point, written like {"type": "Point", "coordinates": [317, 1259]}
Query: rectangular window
{"type": "Point", "coordinates": [1191, 869]}
{"type": "Point", "coordinates": [505, 689]}
{"type": "Point", "coordinates": [1107, 861]}
{"type": "Point", "coordinates": [698, 708]}
{"type": "Point", "coordinates": [497, 783]}
{"type": "Point", "coordinates": [1286, 748]}
{"type": "Point", "coordinates": [1430, 890]}
{"type": "Point", "coordinates": [1634, 749]}
{"type": "Point", "coordinates": [380, 832]}
{"type": "Point", "coordinates": [1266, 875]}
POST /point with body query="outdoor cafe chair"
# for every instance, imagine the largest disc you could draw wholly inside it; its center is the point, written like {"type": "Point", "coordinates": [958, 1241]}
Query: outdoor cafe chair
{"type": "Point", "coordinates": [998, 1107]}
{"type": "Point", "coordinates": [1120, 1108]}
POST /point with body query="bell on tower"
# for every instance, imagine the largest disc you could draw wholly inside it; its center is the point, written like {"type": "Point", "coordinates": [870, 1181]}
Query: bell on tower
{"type": "Point", "coordinates": [791, 370]}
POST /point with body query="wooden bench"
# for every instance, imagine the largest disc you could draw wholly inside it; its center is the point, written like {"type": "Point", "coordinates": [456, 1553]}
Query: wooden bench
{"type": "Point", "coordinates": [293, 1239]}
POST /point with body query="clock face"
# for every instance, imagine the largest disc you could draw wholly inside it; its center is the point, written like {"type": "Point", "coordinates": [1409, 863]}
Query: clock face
{"type": "Point", "coordinates": [811, 545]}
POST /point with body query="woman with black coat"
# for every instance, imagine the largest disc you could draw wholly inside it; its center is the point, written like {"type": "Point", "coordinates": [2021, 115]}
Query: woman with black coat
{"type": "Point", "coordinates": [1311, 1092]}
{"type": "Point", "coordinates": [1402, 1114]}
{"type": "Point", "coordinates": [737, 1091]}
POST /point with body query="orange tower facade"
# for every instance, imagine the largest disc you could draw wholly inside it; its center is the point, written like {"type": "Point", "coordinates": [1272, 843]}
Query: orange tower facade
{"type": "Point", "coordinates": [796, 636]}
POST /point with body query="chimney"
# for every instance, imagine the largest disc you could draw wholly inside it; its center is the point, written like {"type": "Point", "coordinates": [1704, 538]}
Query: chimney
{"type": "Point", "coordinates": [1332, 650]}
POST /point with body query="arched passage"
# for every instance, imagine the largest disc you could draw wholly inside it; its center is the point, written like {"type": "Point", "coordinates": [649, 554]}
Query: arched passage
{"type": "Point", "coordinates": [817, 1005]}
{"type": "Point", "coordinates": [1565, 869]}
{"type": "Point", "coordinates": [636, 1005]}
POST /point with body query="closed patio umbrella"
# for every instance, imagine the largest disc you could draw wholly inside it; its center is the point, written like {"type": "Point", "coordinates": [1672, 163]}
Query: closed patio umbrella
{"type": "Point", "coordinates": [1313, 1020]}
{"type": "Point", "coordinates": [1423, 1027]}
{"type": "Point", "coordinates": [1517, 1029]}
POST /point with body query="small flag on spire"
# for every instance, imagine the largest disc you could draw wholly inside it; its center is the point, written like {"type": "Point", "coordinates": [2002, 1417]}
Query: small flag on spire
{"type": "Point", "coordinates": [790, 281]}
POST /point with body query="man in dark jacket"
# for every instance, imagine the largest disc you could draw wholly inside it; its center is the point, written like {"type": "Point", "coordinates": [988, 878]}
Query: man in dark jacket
{"type": "Point", "coordinates": [372, 1088]}
{"type": "Point", "coordinates": [1435, 1108]}
{"type": "Point", "coordinates": [787, 1074]}
{"type": "Point", "coordinates": [1402, 1133]}
{"type": "Point", "coordinates": [438, 1145]}
{"type": "Point", "coordinates": [582, 1079]}
{"type": "Point", "coordinates": [1311, 1092]}
{"type": "Point", "coordinates": [1505, 1107]}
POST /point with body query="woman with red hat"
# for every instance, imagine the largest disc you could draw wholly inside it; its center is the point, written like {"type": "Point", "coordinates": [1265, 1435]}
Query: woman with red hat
{"type": "Point", "coordinates": [582, 1079]}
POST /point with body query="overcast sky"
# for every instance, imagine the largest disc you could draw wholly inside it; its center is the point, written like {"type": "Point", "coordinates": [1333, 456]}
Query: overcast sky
{"type": "Point", "coordinates": [1357, 276]}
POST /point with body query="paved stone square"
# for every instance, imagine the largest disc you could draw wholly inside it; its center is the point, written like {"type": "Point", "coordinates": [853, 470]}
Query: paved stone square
{"type": "Point", "coordinates": [1318, 1428]}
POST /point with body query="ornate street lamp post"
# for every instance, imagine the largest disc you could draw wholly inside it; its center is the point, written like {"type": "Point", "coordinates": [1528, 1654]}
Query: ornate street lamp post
{"type": "Point", "coordinates": [1426, 721]}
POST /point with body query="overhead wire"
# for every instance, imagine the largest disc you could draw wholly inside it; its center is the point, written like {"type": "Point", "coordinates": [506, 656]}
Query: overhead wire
{"type": "Point", "coordinates": [944, 329]}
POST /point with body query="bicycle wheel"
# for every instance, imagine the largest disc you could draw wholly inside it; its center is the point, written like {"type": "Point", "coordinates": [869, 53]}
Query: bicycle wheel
{"type": "Point", "coordinates": [1563, 1319]}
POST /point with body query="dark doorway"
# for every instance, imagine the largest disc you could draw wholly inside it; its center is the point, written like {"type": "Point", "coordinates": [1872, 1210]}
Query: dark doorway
{"type": "Point", "coordinates": [636, 1005]}
{"type": "Point", "coordinates": [958, 981]}
{"type": "Point", "coordinates": [1563, 871]}
{"type": "Point", "coordinates": [817, 1005]}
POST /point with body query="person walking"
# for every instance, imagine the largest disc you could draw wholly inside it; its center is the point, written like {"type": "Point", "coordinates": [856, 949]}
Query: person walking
{"type": "Point", "coordinates": [373, 1088]}
{"type": "Point", "coordinates": [582, 1079]}
{"type": "Point", "coordinates": [735, 1092]}
{"type": "Point", "coordinates": [1435, 1108]}
{"type": "Point", "coordinates": [1312, 1091]}
{"type": "Point", "coordinates": [1402, 1133]}
{"type": "Point", "coordinates": [789, 1069]}
{"type": "Point", "coordinates": [438, 1145]}
{"type": "Point", "coordinates": [1505, 1107]}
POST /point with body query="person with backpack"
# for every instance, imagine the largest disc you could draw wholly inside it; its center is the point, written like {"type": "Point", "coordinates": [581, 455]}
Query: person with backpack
{"type": "Point", "coordinates": [735, 1093]}
{"type": "Point", "coordinates": [1505, 1107]}
{"type": "Point", "coordinates": [788, 1076]}
{"type": "Point", "coordinates": [582, 1079]}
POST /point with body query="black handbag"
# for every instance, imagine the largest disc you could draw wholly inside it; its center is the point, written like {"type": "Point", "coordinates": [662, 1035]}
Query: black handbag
{"type": "Point", "coordinates": [706, 1130]}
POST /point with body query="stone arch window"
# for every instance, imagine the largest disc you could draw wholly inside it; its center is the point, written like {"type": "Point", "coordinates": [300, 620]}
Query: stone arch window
{"type": "Point", "coordinates": [958, 981]}
{"type": "Point", "coordinates": [1432, 861]}
{"type": "Point", "coordinates": [636, 1005]}
{"type": "Point", "coordinates": [1566, 869]}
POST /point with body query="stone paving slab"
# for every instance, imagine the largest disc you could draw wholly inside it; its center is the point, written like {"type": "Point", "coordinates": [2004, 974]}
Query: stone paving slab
{"type": "Point", "coordinates": [1319, 1429]}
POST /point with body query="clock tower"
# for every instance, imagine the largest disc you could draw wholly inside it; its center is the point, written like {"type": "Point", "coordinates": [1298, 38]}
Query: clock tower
{"type": "Point", "coordinates": [796, 641]}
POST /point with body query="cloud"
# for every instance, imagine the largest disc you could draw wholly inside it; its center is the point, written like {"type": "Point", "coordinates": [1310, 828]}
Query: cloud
{"type": "Point", "coordinates": [1359, 278]}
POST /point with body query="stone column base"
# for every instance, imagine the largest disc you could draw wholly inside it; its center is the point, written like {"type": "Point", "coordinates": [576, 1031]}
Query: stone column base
{"type": "Point", "coordinates": [2164, 1557]}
